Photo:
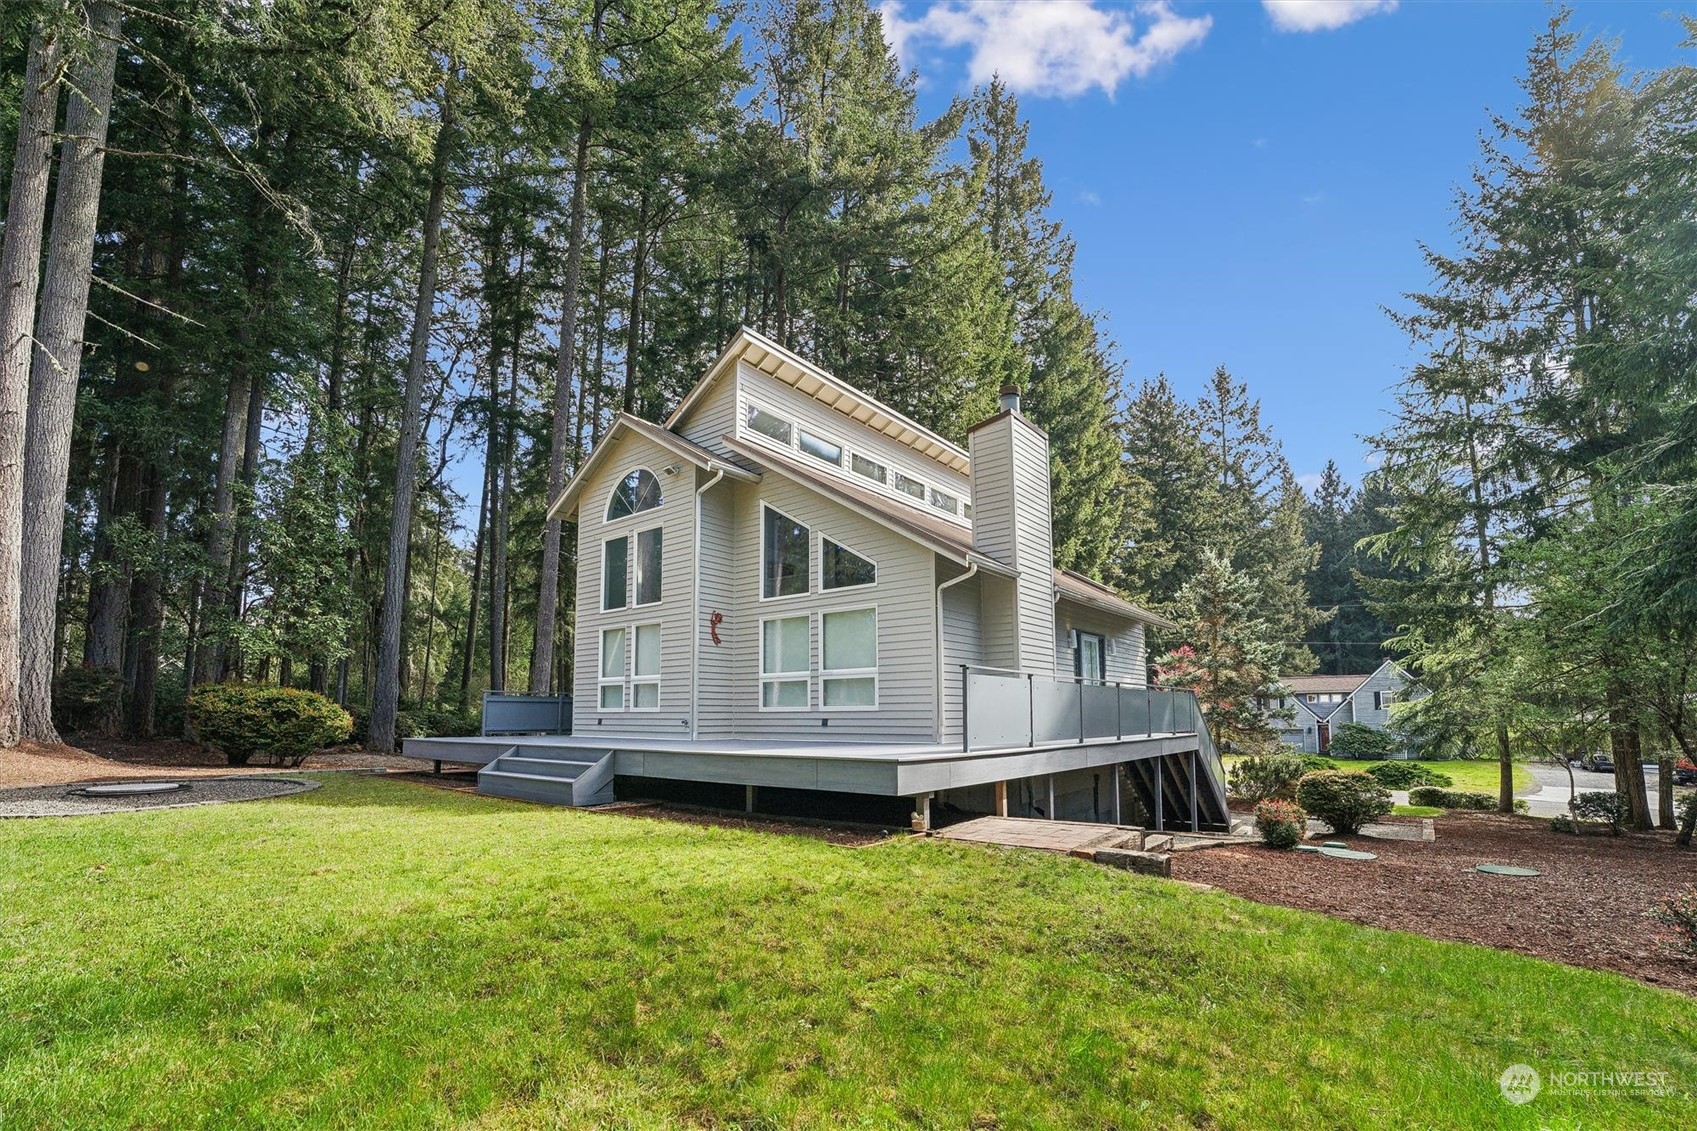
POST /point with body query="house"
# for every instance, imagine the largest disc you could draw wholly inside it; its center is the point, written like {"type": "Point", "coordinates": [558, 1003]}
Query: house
{"type": "Point", "coordinates": [1325, 702]}
{"type": "Point", "coordinates": [790, 595]}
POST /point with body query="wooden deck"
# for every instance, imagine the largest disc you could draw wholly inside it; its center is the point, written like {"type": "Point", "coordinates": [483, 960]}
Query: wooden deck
{"type": "Point", "coordinates": [887, 769]}
{"type": "Point", "coordinates": [1049, 836]}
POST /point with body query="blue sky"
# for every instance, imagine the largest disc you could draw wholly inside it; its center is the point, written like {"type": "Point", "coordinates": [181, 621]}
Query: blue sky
{"type": "Point", "coordinates": [1248, 182]}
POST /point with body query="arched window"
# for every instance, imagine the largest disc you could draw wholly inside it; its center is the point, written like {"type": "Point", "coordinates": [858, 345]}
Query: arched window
{"type": "Point", "coordinates": [639, 491]}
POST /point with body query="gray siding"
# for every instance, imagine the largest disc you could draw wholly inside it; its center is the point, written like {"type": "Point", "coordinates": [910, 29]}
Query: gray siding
{"type": "Point", "coordinates": [963, 642]}
{"type": "Point", "coordinates": [826, 422]}
{"type": "Point", "coordinates": [713, 417]}
{"type": "Point", "coordinates": [1388, 680]}
{"type": "Point", "coordinates": [1126, 659]}
{"type": "Point", "coordinates": [1011, 523]}
{"type": "Point", "coordinates": [904, 596]}
{"type": "Point", "coordinates": [717, 662]}
{"type": "Point", "coordinates": [676, 517]}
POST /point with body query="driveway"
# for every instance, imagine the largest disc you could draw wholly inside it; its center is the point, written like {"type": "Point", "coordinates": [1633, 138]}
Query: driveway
{"type": "Point", "coordinates": [1549, 797]}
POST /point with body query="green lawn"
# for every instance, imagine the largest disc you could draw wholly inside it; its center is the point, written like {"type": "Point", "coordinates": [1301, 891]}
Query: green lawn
{"type": "Point", "coordinates": [1417, 811]}
{"type": "Point", "coordinates": [1475, 774]}
{"type": "Point", "coordinates": [381, 954]}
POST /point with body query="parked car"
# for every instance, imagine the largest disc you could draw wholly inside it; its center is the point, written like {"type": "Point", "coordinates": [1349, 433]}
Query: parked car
{"type": "Point", "coordinates": [1685, 772]}
{"type": "Point", "coordinates": [1598, 762]}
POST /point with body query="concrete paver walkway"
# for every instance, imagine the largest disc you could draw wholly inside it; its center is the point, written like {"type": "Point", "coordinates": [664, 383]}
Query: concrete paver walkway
{"type": "Point", "coordinates": [1051, 836]}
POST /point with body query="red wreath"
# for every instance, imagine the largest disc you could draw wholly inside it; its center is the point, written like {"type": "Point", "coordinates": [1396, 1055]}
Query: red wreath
{"type": "Point", "coordinates": [713, 623]}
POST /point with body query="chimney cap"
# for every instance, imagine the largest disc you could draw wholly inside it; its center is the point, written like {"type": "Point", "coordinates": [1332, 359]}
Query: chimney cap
{"type": "Point", "coordinates": [1008, 401]}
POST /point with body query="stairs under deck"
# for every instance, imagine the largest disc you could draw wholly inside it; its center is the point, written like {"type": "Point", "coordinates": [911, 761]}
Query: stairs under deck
{"type": "Point", "coordinates": [550, 776]}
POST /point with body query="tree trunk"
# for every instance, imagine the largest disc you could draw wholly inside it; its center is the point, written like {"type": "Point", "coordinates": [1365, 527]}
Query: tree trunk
{"type": "Point", "coordinates": [386, 692]}
{"type": "Point", "coordinates": [20, 275]}
{"type": "Point", "coordinates": [1625, 745]}
{"type": "Point", "coordinates": [1664, 791]}
{"type": "Point", "coordinates": [57, 364]}
{"type": "Point", "coordinates": [548, 594]}
{"type": "Point", "coordinates": [638, 284]}
{"type": "Point", "coordinates": [475, 593]}
{"type": "Point", "coordinates": [147, 620]}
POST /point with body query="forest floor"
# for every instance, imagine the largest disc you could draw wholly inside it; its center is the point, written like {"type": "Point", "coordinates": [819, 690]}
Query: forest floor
{"type": "Point", "coordinates": [1593, 905]}
{"type": "Point", "coordinates": [376, 953]}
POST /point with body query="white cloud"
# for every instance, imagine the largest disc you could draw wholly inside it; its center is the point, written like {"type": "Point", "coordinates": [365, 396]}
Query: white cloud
{"type": "Point", "coordinates": [1055, 48]}
{"type": "Point", "coordinates": [1310, 482]}
{"type": "Point", "coordinates": [1091, 197]}
{"type": "Point", "coordinates": [1322, 15]}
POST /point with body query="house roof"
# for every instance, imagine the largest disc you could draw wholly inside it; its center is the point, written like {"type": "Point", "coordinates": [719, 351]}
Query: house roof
{"type": "Point", "coordinates": [1324, 684]}
{"type": "Point", "coordinates": [775, 361]}
{"type": "Point", "coordinates": [947, 538]}
{"type": "Point", "coordinates": [625, 424]}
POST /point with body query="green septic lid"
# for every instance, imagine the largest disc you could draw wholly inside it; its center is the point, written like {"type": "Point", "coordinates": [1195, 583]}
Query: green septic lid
{"type": "Point", "coordinates": [1334, 844]}
{"type": "Point", "coordinates": [1508, 870]}
{"type": "Point", "coordinates": [1346, 853]}
{"type": "Point", "coordinates": [1308, 848]}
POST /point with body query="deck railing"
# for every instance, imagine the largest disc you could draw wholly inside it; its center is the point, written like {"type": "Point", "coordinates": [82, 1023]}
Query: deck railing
{"type": "Point", "coordinates": [1009, 709]}
{"type": "Point", "coordinates": [505, 713]}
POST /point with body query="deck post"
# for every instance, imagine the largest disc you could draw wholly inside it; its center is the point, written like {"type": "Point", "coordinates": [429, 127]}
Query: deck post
{"type": "Point", "coordinates": [1080, 686]}
{"type": "Point", "coordinates": [436, 766]}
{"type": "Point", "coordinates": [1148, 711]}
{"type": "Point", "coordinates": [748, 798]}
{"type": "Point", "coordinates": [1001, 799]}
{"type": "Point", "coordinates": [965, 730]}
{"type": "Point", "coordinates": [1116, 770]}
{"type": "Point", "coordinates": [1049, 779]}
{"type": "Point", "coordinates": [1195, 810]}
{"type": "Point", "coordinates": [922, 813]}
{"type": "Point", "coordinates": [1160, 790]}
{"type": "Point", "coordinates": [1031, 710]}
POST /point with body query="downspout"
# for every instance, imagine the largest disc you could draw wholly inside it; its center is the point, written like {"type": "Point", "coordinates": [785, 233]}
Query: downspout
{"type": "Point", "coordinates": [971, 570]}
{"type": "Point", "coordinates": [695, 614]}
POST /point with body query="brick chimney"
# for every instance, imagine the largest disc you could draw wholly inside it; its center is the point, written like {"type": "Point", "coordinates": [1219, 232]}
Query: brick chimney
{"type": "Point", "coordinates": [1011, 523]}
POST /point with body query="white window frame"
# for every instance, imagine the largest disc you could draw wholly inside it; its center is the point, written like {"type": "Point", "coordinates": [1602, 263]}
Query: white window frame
{"type": "Point", "coordinates": [633, 571]}
{"type": "Point", "coordinates": [620, 482]}
{"type": "Point", "coordinates": [841, 545]}
{"type": "Point", "coordinates": [603, 680]}
{"type": "Point", "coordinates": [827, 674]}
{"type": "Point", "coordinates": [639, 680]}
{"type": "Point", "coordinates": [605, 542]}
{"type": "Point", "coordinates": [842, 449]}
{"type": "Point", "coordinates": [812, 536]}
{"type": "Point", "coordinates": [805, 675]}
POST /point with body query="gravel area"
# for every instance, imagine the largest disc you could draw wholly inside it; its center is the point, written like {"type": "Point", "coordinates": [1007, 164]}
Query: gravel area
{"type": "Point", "coordinates": [1592, 906]}
{"type": "Point", "coordinates": [65, 801]}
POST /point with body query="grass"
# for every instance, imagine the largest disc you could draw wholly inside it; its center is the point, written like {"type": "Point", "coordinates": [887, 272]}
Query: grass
{"type": "Point", "coordinates": [1417, 811]}
{"type": "Point", "coordinates": [381, 954]}
{"type": "Point", "coordinates": [1475, 775]}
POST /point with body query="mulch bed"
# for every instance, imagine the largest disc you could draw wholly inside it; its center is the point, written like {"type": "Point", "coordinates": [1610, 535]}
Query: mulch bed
{"type": "Point", "coordinates": [1591, 907]}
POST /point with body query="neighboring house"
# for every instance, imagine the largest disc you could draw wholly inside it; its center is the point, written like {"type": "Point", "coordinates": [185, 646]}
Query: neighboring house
{"type": "Point", "coordinates": [1323, 703]}
{"type": "Point", "coordinates": [792, 587]}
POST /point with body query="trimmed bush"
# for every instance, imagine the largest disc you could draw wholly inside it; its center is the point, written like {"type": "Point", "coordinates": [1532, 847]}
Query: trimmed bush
{"type": "Point", "coordinates": [1262, 776]}
{"type": "Point", "coordinates": [1344, 799]}
{"type": "Point", "coordinates": [1312, 762]}
{"type": "Point", "coordinates": [1471, 800]}
{"type": "Point", "coordinates": [245, 719]}
{"type": "Point", "coordinates": [1281, 824]}
{"type": "Point", "coordinates": [1601, 807]}
{"type": "Point", "coordinates": [1406, 775]}
{"type": "Point", "coordinates": [1358, 740]}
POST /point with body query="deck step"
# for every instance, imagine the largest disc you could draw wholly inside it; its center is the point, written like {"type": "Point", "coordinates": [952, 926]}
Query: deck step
{"type": "Point", "coordinates": [580, 778]}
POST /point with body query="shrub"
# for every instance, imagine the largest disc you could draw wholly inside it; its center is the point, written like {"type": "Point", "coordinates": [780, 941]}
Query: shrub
{"type": "Point", "coordinates": [1601, 807]}
{"type": "Point", "coordinates": [244, 719]}
{"type": "Point", "coordinates": [1358, 740]}
{"type": "Point", "coordinates": [1262, 776]}
{"type": "Point", "coordinates": [1561, 824]}
{"type": "Point", "coordinates": [1406, 775]}
{"type": "Point", "coordinates": [1344, 799]}
{"type": "Point", "coordinates": [1281, 824]}
{"type": "Point", "coordinates": [88, 699]}
{"type": "Point", "coordinates": [1473, 801]}
{"type": "Point", "coordinates": [1312, 762]}
{"type": "Point", "coordinates": [1680, 913]}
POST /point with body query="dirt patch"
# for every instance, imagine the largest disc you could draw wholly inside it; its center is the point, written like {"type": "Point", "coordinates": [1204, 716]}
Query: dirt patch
{"type": "Point", "coordinates": [1591, 907]}
{"type": "Point", "coordinates": [98, 759]}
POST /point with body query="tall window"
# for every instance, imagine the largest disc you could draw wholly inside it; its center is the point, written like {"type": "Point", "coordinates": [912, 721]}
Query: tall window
{"type": "Point", "coordinates": [849, 647]}
{"type": "Point", "coordinates": [615, 568]}
{"type": "Point", "coordinates": [645, 669]}
{"type": "Point", "coordinates": [612, 669]}
{"type": "Point", "coordinates": [783, 556]}
{"type": "Point", "coordinates": [636, 492]}
{"type": "Point", "coordinates": [842, 568]}
{"type": "Point", "coordinates": [783, 664]}
{"type": "Point", "coordinates": [648, 555]}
